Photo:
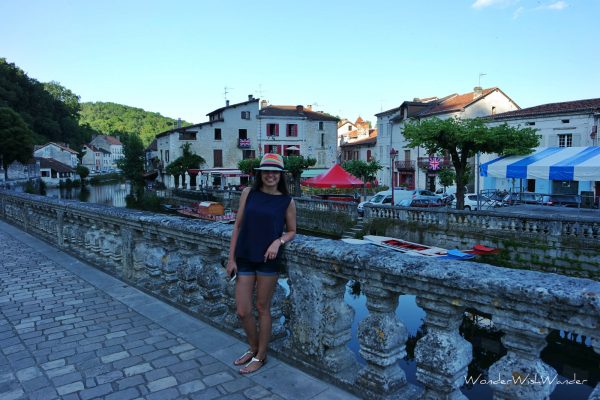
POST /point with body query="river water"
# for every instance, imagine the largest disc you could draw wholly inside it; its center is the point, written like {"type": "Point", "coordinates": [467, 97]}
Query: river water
{"type": "Point", "coordinates": [564, 353]}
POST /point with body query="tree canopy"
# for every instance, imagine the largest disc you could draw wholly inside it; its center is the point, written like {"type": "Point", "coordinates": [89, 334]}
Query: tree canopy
{"type": "Point", "coordinates": [188, 160]}
{"type": "Point", "coordinates": [365, 171]}
{"type": "Point", "coordinates": [462, 139]}
{"type": "Point", "coordinates": [49, 110]}
{"type": "Point", "coordinates": [111, 118]}
{"type": "Point", "coordinates": [16, 138]}
{"type": "Point", "coordinates": [295, 166]}
{"type": "Point", "coordinates": [132, 164]}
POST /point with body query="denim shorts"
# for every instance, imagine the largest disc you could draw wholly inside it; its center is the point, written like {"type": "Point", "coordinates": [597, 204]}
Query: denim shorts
{"type": "Point", "coordinates": [247, 267]}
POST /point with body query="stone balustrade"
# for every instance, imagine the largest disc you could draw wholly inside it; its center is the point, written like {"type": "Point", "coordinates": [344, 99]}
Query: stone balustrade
{"type": "Point", "coordinates": [570, 226]}
{"type": "Point", "coordinates": [181, 261]}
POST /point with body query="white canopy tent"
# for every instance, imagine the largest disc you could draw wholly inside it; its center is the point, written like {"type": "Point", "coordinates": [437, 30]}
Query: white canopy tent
{"type": "Point", "coordinates": [552, 163]}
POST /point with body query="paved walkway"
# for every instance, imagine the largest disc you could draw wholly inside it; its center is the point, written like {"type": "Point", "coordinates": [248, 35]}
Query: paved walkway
{"type": "Point", "coordinates": [70, 331]}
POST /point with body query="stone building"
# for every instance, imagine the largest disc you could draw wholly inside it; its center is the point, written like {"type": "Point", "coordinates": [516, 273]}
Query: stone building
{"type": "Point", "coordinates": [59, 152]}
{"type": "Point", "coordinates": [412, 166]}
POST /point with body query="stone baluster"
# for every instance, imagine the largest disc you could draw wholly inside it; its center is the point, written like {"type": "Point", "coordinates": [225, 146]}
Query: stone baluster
{"type": "Point", "coordinates": [338, 330]}
{"type": "Point", "coordinates": [382, 337]}
{"type": "Point", "coordinates": [319, 320]}
{"type": "Point", "coordinates": [596, 393]}
{"type": "Point", "coordinates": [522, 364]}
{"type": "Point", "coordinates": [442, 355]}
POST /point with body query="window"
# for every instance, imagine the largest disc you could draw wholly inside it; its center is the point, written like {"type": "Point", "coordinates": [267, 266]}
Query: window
{"type": "Point", "coordinates": [248, 154]}
{"type": "Point", "coordinates": [187, 135]}
{"type": "Point", "coordinates": [273, 148]}
{"type": "Point", "coordinates": [291, 130]}
{"type": "Point", "coordinates": [272, 129]}
{"type": "Point", "coordinates": [369, 155]}
{"type": "Point", "coordinates": [217, 133]}
{"type": "Point", "coordinates": [406, 155]}
{"type": "Point", "coordinates": [349, 128]}
{"type": "Point", "coordinates": [321, 125]}
{"type": "Point", "coordinates": [166, 156]}
{"type": "Point", "coordinates": [217, 158]}
{"type": "Point", "coordinates": [243, 134]}
{"type": "Point", "coordinates": [564, 121]}
{"type": "Point", "coordinates": [245, 114]}
{"type": "Point", "coordinates": [493, 110]}
{"type": "Point", "coordinates": [322, 140]}
{"type": "Point", "coordinates": [565, 140]}
{"type": "Point", "coordinates": [530, 123]}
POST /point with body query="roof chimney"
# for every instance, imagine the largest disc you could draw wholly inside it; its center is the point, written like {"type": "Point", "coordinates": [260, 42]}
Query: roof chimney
{"type": "Point", "coordinates": [263, 104]}
{"type": "Point", "coordinates": [300, 108]}
{"type": "Point", "coordinates": [477, 90]}
{"type": "Point", "coordinates": [250, 97]}
{"type": "Point", "coordinates": [226, 103]}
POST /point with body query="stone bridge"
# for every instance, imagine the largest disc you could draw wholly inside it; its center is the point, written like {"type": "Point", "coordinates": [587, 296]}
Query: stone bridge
{"type": "Point", "coordinates": [181, 261]}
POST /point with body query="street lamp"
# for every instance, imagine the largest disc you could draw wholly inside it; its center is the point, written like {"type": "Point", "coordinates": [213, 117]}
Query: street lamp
{"type": "Point", "coordinates": [393, 154]}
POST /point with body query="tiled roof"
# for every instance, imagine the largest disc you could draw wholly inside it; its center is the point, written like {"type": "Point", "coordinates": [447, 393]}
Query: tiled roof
{"type": "Point", "coordinates": [97, 149]}
{"type": "Point", "coordinates": [372, 139]}
{"type": "Point", "coordinates": [232, 106]}
{"type": "Point", "coordinates": [113, 140]}
{"type": "Point", "coordinates": [292, 111]}
{"type": "Point", "coordinates": [53, 164]}
{"type": "Point", "coordinates": [62, 146]}
{"type": "Point", "coordinates": [584, 106]}
{"type": "Point", "coordinates": [455, 102]}
{"type": "Point", "coordinates": [185, 128]}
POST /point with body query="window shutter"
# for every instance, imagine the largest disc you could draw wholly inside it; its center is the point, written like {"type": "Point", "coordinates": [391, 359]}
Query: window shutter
{"type": "Point", "coordinates": [278, 149]}
{"type": "Point", "coordinates": [276, 129]}
{"type": "Point", "coordinates": [266, 148]}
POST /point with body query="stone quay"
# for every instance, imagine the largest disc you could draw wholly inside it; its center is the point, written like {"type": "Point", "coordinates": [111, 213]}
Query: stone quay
{"type": "Point", "coordinates": [181, 261]}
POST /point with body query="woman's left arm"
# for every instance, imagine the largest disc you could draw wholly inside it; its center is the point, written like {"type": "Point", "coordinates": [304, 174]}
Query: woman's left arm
{"type": "Point", "coordinates": [290, 223]}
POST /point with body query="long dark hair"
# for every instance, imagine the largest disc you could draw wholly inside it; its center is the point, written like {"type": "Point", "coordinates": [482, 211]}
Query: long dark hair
{"type": "Point", "coordinates": [281, 186]}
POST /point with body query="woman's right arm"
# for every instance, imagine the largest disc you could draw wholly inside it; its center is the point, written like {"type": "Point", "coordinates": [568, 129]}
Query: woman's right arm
{"type": "Point", "coordinates": [231, 265]}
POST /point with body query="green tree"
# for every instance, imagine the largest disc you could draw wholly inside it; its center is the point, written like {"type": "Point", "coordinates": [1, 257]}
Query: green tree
{"type": "Point", "coordinates": [16, 139]}
{"type": "Point", "coordinates": [365, 171]}
{"type": "Point", "coordinates": [446, 177]}
{"type": "Point", "coordinates": [83, 173]}
{"type": "Point", "coordinates": [247, 166]}
{"type": "Point", "coordinates": [188, 160]}
{"type": "Point", "coordinates": [464, 138]}
{"type": "Point", "coordinates": [69, 99]}
{"type": "Point", "coordinates": [295, 166]}
{"type": "Point", "coordinates": [132, 164]}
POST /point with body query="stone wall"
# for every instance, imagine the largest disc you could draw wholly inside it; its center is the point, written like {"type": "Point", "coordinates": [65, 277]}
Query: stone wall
{"type": "Point", "coordinates": [568, 245]}
{"type": "Point", "coordinates": [327, 217]}
{"type": "Point", "coordinates": [181, 261]}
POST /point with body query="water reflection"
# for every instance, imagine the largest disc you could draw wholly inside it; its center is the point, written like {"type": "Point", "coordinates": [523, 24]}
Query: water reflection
{"type": "Point", "coordinates": [566, 353]}
{"type": "Point", "coordinates": [112, 194]}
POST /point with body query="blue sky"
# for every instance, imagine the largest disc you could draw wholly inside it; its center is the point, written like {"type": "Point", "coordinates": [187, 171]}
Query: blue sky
{"type": "Point", "coordinates": [348, 58]}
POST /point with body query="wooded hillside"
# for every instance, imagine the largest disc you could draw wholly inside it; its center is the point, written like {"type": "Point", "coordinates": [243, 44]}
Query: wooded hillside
{"type": "Point", "coordinates": [112, 118]}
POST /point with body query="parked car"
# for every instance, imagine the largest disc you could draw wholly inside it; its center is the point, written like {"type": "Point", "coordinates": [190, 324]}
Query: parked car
{"type": "Point", "coordinates": [523, 198]}
{"type": "Point", "coordinates": [471, 202]}
{"type": "Point", "coordinates": [422, 203]}
{"type": "Point", "coordinates": [336, 197]}
{"type": "Point", "coordinates": [563, 200]}
{"type": "Point", "coordinates": [385, 197]}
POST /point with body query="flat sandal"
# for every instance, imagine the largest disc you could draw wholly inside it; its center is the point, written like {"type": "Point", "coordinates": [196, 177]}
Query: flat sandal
{"type": "Point", "coordinates": [244, 358]}
{"type": "Point", "coordinates": [254, 360]}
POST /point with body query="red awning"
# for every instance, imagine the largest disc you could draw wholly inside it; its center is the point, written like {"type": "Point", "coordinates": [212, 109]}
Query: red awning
{"type": "Point", "coordinates": [335, 177]}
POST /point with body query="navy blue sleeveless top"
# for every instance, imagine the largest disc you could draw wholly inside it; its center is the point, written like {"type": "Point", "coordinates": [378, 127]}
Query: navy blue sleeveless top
{"type": "Point", "coordinates": [264, 219]}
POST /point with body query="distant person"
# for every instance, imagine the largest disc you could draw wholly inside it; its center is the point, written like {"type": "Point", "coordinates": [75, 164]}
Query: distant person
{"type": "Point", "coordinates": [254, 252]}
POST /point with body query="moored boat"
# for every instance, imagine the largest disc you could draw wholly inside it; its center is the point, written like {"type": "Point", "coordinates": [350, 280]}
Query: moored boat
{"type": "Point", "coordinates": [208, 210]}
{"type": "Point", "coordinates": [418, 249]}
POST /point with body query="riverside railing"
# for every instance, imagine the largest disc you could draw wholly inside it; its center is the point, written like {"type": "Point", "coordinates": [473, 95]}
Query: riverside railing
{"type": "Point", "coordinates": [573, 226]}
{"type": "Point", "coordinates": [181, 261]}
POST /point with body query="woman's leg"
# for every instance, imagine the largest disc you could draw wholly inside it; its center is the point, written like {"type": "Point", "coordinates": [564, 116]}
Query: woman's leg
{"type": "Point", "coordinates": [244, 289]}
{"type": "Point", "coordinates": [265, 286]}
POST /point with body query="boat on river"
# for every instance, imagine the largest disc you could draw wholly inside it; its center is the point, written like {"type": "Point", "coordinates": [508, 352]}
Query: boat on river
{"type": "Point", "coordinates": [422, 250]}
{"type": "Point", "coordinates": [210, 211]}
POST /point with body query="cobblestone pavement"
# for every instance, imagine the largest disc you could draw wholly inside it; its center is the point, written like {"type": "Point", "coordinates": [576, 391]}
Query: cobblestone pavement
{"type": "Point", "coordinates": [70, 331]}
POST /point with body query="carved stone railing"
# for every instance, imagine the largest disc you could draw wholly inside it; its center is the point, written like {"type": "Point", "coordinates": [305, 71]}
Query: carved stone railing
{"type": "Point", "coordinates": [181, 261]}
{"type": "Point", "coordinates": [571, 226]}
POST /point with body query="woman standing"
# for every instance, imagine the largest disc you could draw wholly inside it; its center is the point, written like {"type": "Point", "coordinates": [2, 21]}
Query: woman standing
{"type": "Point", "coordinates": [257, 237]}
